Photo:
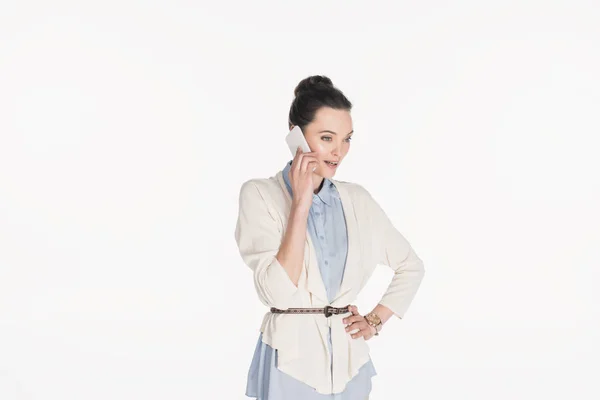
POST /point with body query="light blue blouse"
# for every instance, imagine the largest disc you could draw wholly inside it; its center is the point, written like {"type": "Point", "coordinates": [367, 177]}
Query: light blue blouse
{"type": "Point", "coordinates": [327, 227]}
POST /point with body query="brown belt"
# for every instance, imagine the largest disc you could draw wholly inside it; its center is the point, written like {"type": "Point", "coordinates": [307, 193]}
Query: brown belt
{"type": "Point", "coordinates": [327, 310]}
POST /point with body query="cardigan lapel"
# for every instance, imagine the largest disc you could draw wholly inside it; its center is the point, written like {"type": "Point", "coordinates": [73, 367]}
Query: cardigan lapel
{"type": "Point", "coordinates": [314, 281]}
{"type": "Point", "coordinates": [353, 258]}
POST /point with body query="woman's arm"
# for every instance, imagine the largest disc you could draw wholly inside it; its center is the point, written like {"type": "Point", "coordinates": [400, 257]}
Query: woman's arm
{"type": "Point", "coordinates": [276, 261]}
{"type": "Point", "coordinates": [392, 249]}
{"type": "Point", "coordinates": [291, 252]}
{"type": "Point", "coordinates": [259, 238]}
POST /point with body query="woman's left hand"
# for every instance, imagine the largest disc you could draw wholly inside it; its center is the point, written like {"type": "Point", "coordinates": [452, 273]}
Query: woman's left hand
{"type": "Point", "coordinates": [359, 322]}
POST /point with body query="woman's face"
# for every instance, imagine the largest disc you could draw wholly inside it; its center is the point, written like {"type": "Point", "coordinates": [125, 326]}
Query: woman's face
{"type": "Point", "coordinates": [329, 137]}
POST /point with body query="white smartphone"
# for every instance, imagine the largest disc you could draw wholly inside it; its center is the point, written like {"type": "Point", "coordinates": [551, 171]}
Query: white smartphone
{"type": "Point", "coordinates": [296, 139]}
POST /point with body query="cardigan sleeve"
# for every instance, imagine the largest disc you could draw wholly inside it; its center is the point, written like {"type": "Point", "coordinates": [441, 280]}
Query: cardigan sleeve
{"type": "Point", "coordinates": [396, 252]}
{"type": "Point", "coordinates": [259, 236]}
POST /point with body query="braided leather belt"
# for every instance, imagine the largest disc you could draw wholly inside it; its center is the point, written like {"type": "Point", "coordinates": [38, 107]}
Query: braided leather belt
{"type": "Point", "coordinates": [327, 310]}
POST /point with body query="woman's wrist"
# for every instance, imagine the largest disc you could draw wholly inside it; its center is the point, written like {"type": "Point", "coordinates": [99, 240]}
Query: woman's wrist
{"type": "Point", "coordinates": [299, 209]}
{"type": "Point", "coordinates": [383, 313]}
{"type": "Point", "coordinates": [374, 321]}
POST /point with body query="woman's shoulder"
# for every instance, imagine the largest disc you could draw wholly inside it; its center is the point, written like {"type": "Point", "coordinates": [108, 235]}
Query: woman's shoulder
{"type": "Point", "coordinates": [260, 188]}
{"type": "Point", "coordinates": [260, 183]}
{"type": "Point", "coordinates": [352, 188]}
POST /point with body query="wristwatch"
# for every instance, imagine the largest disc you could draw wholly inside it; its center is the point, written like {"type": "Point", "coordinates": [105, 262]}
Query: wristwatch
{"type": "Point", "coordinates": [374, 320]}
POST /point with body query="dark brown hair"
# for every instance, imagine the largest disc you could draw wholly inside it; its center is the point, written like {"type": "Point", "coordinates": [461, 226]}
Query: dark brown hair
{"type": "Point", "coordinates": [312, 93]}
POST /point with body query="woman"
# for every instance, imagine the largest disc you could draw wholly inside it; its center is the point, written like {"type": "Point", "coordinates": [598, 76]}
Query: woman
{"type": "Point", "coordinates": [312, 243]}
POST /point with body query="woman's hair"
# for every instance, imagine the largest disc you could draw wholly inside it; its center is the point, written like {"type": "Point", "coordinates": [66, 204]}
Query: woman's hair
{"type": "Point", "coordinates": [312, 93]}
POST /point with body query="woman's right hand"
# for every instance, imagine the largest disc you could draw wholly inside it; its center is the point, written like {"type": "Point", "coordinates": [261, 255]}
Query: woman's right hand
{"type": "Point", "coordinates": [301, 177]}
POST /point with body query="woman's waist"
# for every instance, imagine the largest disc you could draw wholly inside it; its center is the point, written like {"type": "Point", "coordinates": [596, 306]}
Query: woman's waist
{"type": "Point", "coordinates": [327, 310]}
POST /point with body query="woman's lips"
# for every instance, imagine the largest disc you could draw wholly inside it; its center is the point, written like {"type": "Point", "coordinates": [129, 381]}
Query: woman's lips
{"type": "Point", "coordinates": [331, 165]}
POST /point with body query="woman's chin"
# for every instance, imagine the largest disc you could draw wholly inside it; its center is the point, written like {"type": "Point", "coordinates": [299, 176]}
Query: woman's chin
{"type": "Point", "coordinates": [325, 173]}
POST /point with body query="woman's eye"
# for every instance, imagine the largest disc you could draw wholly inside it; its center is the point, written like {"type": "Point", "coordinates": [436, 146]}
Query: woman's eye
{"type": "Point", "coordinates": [328, 138]}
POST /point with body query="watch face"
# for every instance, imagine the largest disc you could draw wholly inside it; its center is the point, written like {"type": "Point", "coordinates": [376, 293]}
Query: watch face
{"type": "Point", "coordinates": [374, 318]}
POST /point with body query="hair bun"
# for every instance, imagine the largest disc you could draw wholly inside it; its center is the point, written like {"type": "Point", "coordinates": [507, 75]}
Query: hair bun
{"type": "Point", "coordinates": [313, 82]}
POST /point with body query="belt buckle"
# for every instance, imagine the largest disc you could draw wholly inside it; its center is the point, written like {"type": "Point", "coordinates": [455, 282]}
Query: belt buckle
{"type": "Point", "coordinates": [327, 311]}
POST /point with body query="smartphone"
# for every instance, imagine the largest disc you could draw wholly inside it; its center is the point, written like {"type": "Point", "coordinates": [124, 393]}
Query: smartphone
{"type": "Point", "coordinates": [296, 139]}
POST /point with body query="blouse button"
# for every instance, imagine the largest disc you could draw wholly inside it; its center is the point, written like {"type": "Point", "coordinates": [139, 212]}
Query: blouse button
{"type": "Point", "coordinates": [321, 237]}
{"type": "Point", "coordinates": [326, 262]}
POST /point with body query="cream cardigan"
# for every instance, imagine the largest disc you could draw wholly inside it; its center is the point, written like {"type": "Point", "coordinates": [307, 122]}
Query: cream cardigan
{"type": "Point", "coordinates": [301, 340]}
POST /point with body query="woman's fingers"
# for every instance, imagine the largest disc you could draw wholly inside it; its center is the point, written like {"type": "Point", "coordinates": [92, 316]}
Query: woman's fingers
{"type": "Point", "coordinates": [308, 165]}
{"type": "Point", "coordinates": [355, 327]}
{"type": "Point", "coordinates": [359, 324]}
{"type": "Point", "coordinates": [357, 321]}
{"type": "Point", "coordinates": [297, 157]}
{"type": "Point", "coordinates": [301, 173]}
{"type": "Point", "coordinates": [307, 157]}
{"type": "Point", "coordinates": [352, 318]}
{"type": "Point", "coordinates": [298, 163]}
{"type": "Point", "coordinates": [364, 331]}
{"type": "Point", "coordinates": [300, 154]}
{"type": "Point", "coordinates": [353, 310]}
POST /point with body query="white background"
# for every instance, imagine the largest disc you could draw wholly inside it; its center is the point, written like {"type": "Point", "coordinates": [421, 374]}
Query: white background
{"type": "Point", "coordinates": [127, 129]}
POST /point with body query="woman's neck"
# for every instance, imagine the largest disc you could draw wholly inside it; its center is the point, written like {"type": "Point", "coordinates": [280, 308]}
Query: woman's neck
{"type": "Point", "coordinates": [317, 183]}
